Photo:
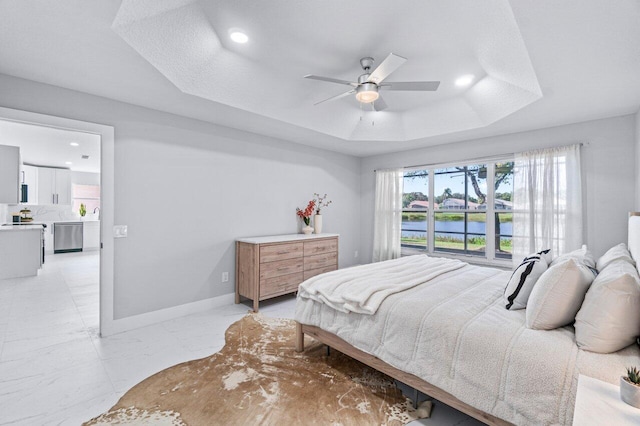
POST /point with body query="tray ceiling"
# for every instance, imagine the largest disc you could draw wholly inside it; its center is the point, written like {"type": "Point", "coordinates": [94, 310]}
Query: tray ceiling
{"type": "Point", "coordinates": [188, 42]}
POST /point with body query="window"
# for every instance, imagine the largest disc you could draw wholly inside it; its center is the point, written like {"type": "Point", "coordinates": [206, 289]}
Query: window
{"type": "Point", "coordinates": [415, 206]}
{"type": "Point", "coordinates": [89, 195]}
{"type": "Point", "coordinates": [503, 206]}
{"type": "Point", "coordinates": [459, 210]}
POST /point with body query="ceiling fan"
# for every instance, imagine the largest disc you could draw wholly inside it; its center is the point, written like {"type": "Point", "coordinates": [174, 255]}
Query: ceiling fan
{"type": "Point", "coordinates": [371, 82]}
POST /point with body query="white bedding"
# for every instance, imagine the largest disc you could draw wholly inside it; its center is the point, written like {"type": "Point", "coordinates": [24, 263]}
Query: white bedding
{"type": "Point", "coordinates": [454, 332]}
{"type": "Point", "coordinates": [363, 288]}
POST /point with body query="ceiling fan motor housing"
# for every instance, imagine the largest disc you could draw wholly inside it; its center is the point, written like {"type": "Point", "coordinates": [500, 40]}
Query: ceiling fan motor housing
{"type": "Point", "coordinates": [366, 63]}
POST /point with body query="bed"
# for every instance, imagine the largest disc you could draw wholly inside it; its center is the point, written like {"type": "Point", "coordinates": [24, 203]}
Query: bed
{"type": "Point", "coordinates": [452, 339]}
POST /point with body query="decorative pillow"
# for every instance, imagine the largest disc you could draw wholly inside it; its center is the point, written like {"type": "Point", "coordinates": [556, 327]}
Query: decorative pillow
{"type": "Point", "coordinates": [558, 295]}
{"type": "Point", "coordinates": [619, 252]}
{"type": "Point", "coordinates": [609, 319]}
{"type": "Point", "coordinates": [547, 255]}
{"type": "Point", "coordinates": [522, 281]}
{"type": "Point", "coordinates": [582, 255]}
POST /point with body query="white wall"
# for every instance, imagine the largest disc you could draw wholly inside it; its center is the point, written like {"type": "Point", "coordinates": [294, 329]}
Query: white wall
{"type": "Point", "coordinates": [85, 178]}
{"type": "Point", "coordinates": [637, 205]}
{"type": "Point", "coordinates": [608, 160]}
{"type": "Point", "coordinates": [4, 213]}
{"type": "Point", "coordinates": [187, 189]}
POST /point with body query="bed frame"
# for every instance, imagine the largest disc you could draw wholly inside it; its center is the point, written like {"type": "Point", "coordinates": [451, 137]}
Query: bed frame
{"type": "Point", "coordinates": [415, 382]}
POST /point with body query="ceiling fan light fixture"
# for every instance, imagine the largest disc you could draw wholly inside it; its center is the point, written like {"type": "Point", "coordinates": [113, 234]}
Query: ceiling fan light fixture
{"type": "Point", "coordinates": [367, 93]}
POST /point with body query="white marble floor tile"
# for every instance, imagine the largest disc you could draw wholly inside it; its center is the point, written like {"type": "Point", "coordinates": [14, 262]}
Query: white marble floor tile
{"type": "Point", "coordinates": [53, 392]}
{"type": "Point", "coordinates": [40, 362]}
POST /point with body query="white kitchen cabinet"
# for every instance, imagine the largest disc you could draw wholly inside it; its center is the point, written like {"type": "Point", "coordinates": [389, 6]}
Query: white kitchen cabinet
{"type": "Point", "coordinates": [54, 186]}
{"type": "Point", "coordinates": [90, 235]}
{"type": "Point", "coordinates": [9, 174]}
{"type": "Point", "coordinates": [20, 251]}
{"type": "Point", "coordinates": [30, 178]}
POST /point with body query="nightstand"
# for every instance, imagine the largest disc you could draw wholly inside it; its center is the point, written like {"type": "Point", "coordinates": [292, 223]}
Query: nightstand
{"type": "Point", "coordinates": [599, 403]}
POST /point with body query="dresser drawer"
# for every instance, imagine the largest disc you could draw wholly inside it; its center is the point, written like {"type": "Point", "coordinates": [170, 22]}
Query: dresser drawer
{"type": "Point", "coordinates": [313, 272]}
{"type": "Point", "coordinates": [280, 285]}
{"type": "Point", "coordinates": [281, 267]}
{"type": "Point", "coordinates": [318, 247]}
{"type": "Point", "coordinates": [321, 261]}
{"type": "Point", "coordinates": [281, 252]}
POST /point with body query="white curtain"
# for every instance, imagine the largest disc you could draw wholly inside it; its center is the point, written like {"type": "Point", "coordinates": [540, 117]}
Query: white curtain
{"type": "Point", "coordinates": [388, 214]}
{"type": "Point", "coordinates": [547, 201]}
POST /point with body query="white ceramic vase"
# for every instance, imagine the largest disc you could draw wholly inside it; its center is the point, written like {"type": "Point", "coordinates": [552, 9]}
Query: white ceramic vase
{"type": "Point", "coordinates": [629, 393]}
{"type": "Point", "coordinates": [317, 223]}
{"type": "Point", "coordinates": [307, 230]}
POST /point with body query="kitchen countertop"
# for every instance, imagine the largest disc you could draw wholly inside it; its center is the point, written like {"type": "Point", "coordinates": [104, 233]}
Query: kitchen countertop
{"type": "Point", "coordinates": [30, 227]}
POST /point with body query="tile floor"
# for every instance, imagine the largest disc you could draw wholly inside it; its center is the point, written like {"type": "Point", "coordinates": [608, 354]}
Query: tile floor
{"type": "Point", "coordinates": [55, 369]}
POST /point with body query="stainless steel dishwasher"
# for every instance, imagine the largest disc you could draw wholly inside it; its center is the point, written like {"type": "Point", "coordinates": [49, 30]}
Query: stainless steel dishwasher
{"type": "Point", "coordinates": [67, 237]}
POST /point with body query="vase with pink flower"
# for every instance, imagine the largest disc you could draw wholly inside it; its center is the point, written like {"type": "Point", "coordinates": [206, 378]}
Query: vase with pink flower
{"type": "Point", "coordinates": [306, 216]}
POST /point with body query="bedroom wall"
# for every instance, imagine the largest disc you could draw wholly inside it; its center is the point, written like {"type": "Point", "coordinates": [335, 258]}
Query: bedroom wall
{"type": "Point", "coordinates": [187, 189]}
{"type": "Point", "coordinates": [608, 167]}
{"type": "Point", "coordinates": [637, 117]}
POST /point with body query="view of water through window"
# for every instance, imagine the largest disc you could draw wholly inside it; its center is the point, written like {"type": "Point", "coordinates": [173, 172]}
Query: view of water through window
{"type": "Point", "coordinates": [459, 209]}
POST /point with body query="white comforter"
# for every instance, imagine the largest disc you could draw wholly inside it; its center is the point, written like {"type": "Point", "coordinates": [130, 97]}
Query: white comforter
{"type": "Point", "coordinates": [454, 332]}
{"type": "Point", "coordinates": [362, 289]}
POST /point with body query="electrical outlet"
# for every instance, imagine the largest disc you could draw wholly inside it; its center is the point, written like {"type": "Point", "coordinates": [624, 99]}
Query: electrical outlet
{"type": "Point", "coordinates": [225, 277]}
{"type": "Point", "coordinates": [355, 254]}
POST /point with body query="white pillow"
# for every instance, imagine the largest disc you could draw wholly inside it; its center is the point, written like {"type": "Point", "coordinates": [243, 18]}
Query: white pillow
{"type": "Point", "coordinates": [558, 295]}
{"type": "Point", "coordinates": [582, 255]}
{"type": "Point", "coordinates": [609, 319]}
{"type": "Point", "coordinates": [619, 252]}
{"type": "Point", "coordinates": [522, 281]}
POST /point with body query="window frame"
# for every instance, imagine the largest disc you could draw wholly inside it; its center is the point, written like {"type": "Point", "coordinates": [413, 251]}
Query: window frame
{"type": "Point", "coordinates": [489, 257]}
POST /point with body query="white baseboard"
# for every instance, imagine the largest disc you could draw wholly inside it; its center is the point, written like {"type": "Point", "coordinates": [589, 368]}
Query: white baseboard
{"type": "Point", "coordinates": [155, 317]}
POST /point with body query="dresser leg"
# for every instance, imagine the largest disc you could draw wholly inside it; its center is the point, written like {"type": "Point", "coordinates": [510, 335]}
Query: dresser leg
{"type": "Point", "coordinates": [255, 305]}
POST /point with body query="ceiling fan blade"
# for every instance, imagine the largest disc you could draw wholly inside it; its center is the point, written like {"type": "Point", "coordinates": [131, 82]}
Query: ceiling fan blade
{"type": "Point", "coordinates": [389, 65]}
{"type": "Point", "coordinates": [424, 86]}
{"type": "Point", "coordinates": [330, 80]}
{"type": "Point", "coordinates": [379, 104]}
{"type": "Point", "coordinates": [341, 95]}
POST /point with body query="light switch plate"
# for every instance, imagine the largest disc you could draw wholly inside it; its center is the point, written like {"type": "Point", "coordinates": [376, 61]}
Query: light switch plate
{"type": "Point", "coordinates": [119, 231]}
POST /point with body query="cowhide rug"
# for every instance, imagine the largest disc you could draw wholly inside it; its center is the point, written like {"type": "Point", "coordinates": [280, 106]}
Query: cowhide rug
{"type": "Point", "coordinates": [258, 378]}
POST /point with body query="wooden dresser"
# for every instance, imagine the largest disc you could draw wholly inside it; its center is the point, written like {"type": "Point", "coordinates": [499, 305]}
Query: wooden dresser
{"type": "Point", "coordinates": [267, 267]}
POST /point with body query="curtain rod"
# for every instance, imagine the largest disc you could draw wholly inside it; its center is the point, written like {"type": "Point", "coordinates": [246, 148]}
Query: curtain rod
{"type": "Point", "coordinates": [489, 158]}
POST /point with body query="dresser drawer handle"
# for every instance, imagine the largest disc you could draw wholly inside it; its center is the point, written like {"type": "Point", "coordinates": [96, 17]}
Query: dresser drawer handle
{"type": "Point", "coordinates": [283, 252]}
{"type": "Point", "coordinates": [283, 269]}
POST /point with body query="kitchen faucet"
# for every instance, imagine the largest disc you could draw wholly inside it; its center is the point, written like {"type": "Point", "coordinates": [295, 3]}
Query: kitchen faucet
{"type": "Point", "coordinates": [94, 212]}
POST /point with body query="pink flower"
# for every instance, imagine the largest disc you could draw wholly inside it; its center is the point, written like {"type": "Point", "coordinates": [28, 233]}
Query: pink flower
{"type": "Point", "coordinates": [307, 212]}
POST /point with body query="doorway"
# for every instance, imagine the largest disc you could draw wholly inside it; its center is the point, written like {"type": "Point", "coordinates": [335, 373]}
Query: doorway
{"type": "Point", "coordinates": [83, 158]}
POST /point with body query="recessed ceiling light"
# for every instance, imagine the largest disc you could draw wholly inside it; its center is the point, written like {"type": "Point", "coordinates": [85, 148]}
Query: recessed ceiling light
{"type": "Point", "coordinates": [238, 36]}
{"type": "Point", "coordinates": [465, 80]}
{"type": "Point", "coordinates": [68, 163]}
{"type": "Point", "coordinates": [74, 143]}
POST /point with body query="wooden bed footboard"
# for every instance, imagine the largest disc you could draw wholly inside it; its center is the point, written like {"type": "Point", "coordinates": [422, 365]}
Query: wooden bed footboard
{"type": "Point", "coordinates": [415, 382]}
